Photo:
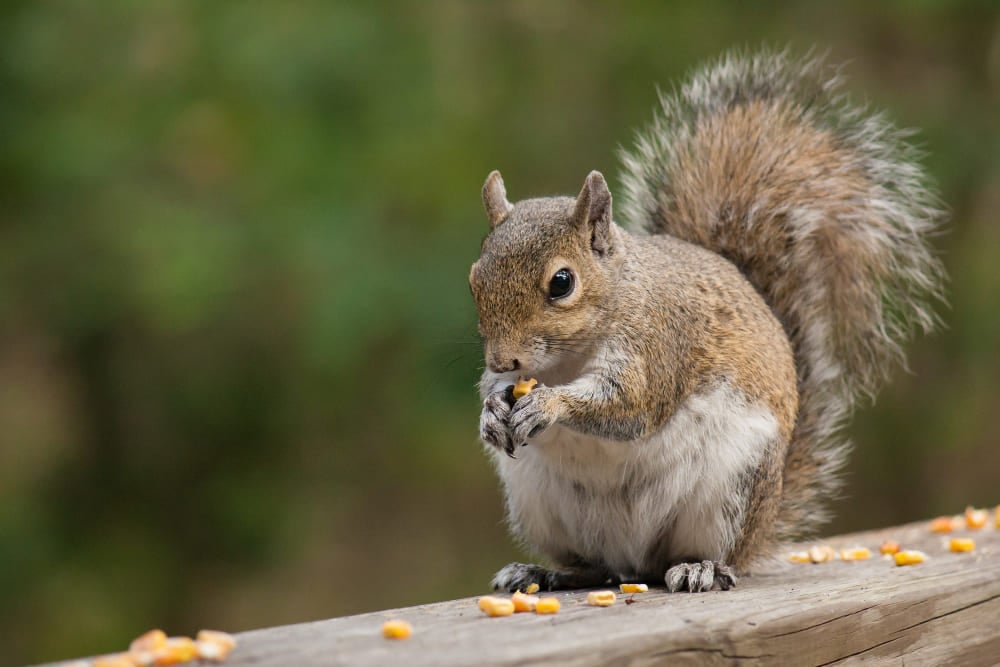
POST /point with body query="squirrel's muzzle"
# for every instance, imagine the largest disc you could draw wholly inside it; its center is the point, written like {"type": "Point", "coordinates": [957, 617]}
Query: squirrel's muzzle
{"type": "Point", "coordinates": [499, 363]}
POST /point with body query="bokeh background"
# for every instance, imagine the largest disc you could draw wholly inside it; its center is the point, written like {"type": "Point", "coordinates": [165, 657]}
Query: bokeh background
{"type": "Point", "coordinates": [237, 349]}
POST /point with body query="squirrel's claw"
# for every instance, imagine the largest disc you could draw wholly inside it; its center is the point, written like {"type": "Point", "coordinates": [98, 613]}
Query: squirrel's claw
{"type": "Point", "coordinates": [531, 415]}
{"type": "Point", "coordinates": [493, 429]}
{"type": "Point", "coordinates": [699, 577]}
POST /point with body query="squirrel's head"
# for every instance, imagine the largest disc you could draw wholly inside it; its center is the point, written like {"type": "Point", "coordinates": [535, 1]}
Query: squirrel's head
{"type": "Point", "coordinates": [543, 279]}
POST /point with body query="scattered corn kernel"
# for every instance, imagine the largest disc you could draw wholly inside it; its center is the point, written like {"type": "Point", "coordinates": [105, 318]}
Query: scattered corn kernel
{"type": "Point", "coordinates": [889, 547]}
{"type": "Point", "coordinates": [210, 651]}
{"type": "Point", "coordinates": [799, 557]}
{"type": "Point", "coordinates": [523, 602]}
{"type": "Point", "coordinates": [494, 606]}
{"type": "Point", "coordinates": [601, 598]}
{"type": "Point", "coordinates": [821, 554]}
{"type": "Point", "coordinates": [175, 650]}
{"type": "Point", "coordinates": [113, 660]}
{"type": "Point", "coordinates": [142, 658]}
{"type": "Point", "coordinates": [633, 588]}
{"type": "Point", "coordinates": [547, 606]}
{"type": "Point", "coordinates": [942, 524]}
{"type": "Point", "coordinates": [531, 589]}
{"type": "Point", "coordinates": [396, 629]}
{"type": "Point", "coordinates": [975, 519]}
{"type": "Point", "coordinates": [857, 553]}
{"type": "Point", "coordinates": [909, 557]}
{"type": "Point", "coordinates": [523, 387]}
{"type": "Point", "coordinates": [149, 641]}
{"type": "Point", "coordinates": [996, 517]}
{"type": "Point", "coordinates": [215, 645]}
{"type": "Point", "coordinates": [960, 544]}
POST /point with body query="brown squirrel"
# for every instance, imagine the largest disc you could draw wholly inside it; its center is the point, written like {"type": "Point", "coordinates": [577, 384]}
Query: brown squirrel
{"type": "Point", "coordinates": [697, 363]}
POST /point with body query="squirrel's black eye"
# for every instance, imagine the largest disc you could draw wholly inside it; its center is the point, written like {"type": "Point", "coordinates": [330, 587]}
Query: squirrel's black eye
{"type": "Point", "coordinates": [561, 284]}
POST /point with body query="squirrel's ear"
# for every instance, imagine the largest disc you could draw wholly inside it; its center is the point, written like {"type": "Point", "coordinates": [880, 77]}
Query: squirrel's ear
{"type": "Point", "coordinates": [593, 212]}
{"type": "Point", "coordinates": [495, 199]}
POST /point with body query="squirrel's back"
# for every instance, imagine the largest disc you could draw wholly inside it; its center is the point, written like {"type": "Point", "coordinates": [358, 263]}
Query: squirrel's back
{"type": "Point", "coordinates": [823, 207]}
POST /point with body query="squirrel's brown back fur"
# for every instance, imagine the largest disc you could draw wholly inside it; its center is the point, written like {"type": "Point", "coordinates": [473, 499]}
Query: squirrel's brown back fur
{"type": "Point", "coordinates": [824, 208]}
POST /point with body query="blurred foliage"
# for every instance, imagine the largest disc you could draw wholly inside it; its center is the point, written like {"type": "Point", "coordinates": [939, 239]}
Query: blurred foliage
{"type": "Point", "coordinates": [237, 350]}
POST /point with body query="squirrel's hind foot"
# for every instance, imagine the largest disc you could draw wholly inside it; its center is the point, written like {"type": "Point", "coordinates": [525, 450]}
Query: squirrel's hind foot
{"type": "Point", "coordinates": [700, 577]}
{"type": "Point", "coordinates": [518, 576]}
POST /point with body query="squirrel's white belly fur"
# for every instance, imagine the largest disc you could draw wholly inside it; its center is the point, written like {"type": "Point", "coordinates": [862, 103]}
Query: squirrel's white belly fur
{"type": "Point", "coordinates": [638, 506]}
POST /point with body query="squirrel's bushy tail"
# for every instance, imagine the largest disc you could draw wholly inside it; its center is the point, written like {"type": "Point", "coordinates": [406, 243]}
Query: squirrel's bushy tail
{"type": "Point", "coordinates": [825, 209]}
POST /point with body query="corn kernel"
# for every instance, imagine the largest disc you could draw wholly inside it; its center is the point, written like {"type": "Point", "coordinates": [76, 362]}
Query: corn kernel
{"type": "Point", "coordinates": [524, 602]}
{"type": "Point", "coordinates": [523, 387]}
{"type": "Point", "coordinates": [909, 557]}
{"type": "Point", "coordinates": [996, 517]}
{"type": "Point", "coordinates": [175, 650]}
{"type": "Point", "coordinates": [113, 660]}
{"type": "Point", "coordinates": [975, 519]}
{"type": "Point", "coordinates": [149, 641]}
{"type": "Point", "coordinates": [396, 630]}
{"type": "Point", "coordinates": [494, 606]}
{"type": "Point", "coordinates": [799, 557]}
{"type": "Point", "coordinates": [601, 598]}
{"type": "Point", "coordinates": [857, 553]}
{"type": "Point", "coordinates": [961, 544]}
{"type": "Point", "coordinates": [142, 658]}
{"type": "Point", "coordinates": [821, 554]}
{"type": "Point", "coordinates": [633, 588]}
{"type": "Point", "coordinates": [547, 606]}
{"type": "Point", "coordinates": [889, 547]}
{"type": "Point", "coordinates": [942, 524]}
{"type": "Point", "coordinates": [214, 645]}
{"type": "Point", "coordinates": [531, 589]}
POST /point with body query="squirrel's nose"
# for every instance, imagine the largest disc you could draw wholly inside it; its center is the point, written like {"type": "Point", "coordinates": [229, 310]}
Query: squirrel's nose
{"type": "Point", "coordinates": [504, 366]}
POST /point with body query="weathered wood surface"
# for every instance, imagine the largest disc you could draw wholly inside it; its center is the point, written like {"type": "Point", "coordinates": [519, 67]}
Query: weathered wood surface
{"type": "Point", "coordinates": [944, 611]}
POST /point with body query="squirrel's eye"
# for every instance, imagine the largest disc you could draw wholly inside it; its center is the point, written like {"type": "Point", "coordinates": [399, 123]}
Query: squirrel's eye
{"type": "Point", "coordinates": [561, 284]}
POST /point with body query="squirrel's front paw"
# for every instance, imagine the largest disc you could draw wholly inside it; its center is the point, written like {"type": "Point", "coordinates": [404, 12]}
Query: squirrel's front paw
{"type": "Point", "coordinates": [493, 428]}
{"type": "Point", "coordinates": [532, 414]}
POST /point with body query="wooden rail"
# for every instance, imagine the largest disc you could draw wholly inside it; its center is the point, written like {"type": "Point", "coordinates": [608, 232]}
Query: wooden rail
{"type": "Point", "coordinates": [943, 611]}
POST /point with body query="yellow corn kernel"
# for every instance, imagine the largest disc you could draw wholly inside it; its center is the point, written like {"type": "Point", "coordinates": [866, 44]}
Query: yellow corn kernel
{"type": "Point", "coordinates": [531, 589]}
{"type": "Point", "coordinates": [396, 629]}
{"type": "Point", "coordinates": [601, 598]}
{"type": "Point", "coordinates": [149, 641]}
{"type": "Point", "coordinates": [523, 387]}
{"type": "Point", "coordinates": [961, 544]}
{"type": "Point", "coordinates": [975, 519]}
{"type": "Point", "coordinates": [524, 602]}
{"type": "Point", "coordinates": [215, 645]}
{"type": "Point", "coordinates": [799, 557]}
{"type": "Point", "coordinates": [494, 606]}
{"type": "Point", "coordinates": [996, 517]}
{"type": "Point", "coordinates": [633, 588]}
{"type": "Point", "coordinates": [942, 524]}
{"type": "Point", "coordinates": [889, 547]}
{"type": "Point", "coordinates": [547, 606]}
{"type": "Point", "coordinates": [857, 553]}
{"type": "Point", "coordinates": [909, 557]}
{"type": "Point", "coordinates": [821, 554]}
{"type": "Point", "coordinates": [113, 660]}
{"type": "Point", "coordinates": [175, 650]}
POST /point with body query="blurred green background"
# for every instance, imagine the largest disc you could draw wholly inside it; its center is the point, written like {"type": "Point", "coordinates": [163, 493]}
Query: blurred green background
{"type": "Point", "coordinates": [237, 349]}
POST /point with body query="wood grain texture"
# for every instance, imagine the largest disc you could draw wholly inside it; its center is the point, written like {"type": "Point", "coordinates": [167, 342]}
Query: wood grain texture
{"type": "Point", "coordinates": [943, 611]}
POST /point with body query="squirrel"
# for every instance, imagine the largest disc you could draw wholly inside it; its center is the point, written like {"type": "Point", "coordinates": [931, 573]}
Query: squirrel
{"type": "Point", "coordinates": [697, 363]}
